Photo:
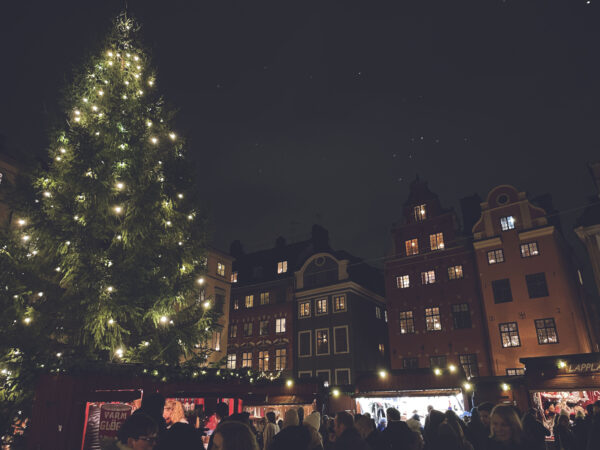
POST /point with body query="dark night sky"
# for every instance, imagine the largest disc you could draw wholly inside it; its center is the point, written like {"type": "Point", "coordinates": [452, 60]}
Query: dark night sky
{"type": "Point", "coordinates": [315, 111]}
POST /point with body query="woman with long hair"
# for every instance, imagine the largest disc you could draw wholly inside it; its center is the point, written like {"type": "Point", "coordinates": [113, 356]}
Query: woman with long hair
{"type": "Point", "coordinates": [234, 435]}
{"type": "Point", "coordinates": [506, 429]}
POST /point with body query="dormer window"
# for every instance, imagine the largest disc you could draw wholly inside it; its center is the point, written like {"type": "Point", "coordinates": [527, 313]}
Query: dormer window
{"type": "Point", "coordinates": [282, 267]}
{"type": "Point", "coordinates": [507, 223]}
{"type": "Point", "coordinates": [420, 213]}
{"type": "Point", "coordinates": [234, 277]}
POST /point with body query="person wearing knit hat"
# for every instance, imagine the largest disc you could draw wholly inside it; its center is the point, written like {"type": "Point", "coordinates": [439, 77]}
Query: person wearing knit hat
{"type": "Point", "coordinates": [292, 436]}
{"type": "Point", "coordinates": [313, 423]}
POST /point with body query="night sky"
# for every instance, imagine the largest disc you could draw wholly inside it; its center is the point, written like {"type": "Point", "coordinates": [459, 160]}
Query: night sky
{"type": "Point", "coordinates": [302, 112]}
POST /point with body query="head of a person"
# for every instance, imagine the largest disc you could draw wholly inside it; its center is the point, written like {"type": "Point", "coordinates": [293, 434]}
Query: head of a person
{"type": "Point", "coordinates": [343, 422]}
{"type": "Point", "coordinates": [153, 404]}
{"type": "Point", "coordinates": [563, 420]}
{"type": "Point", "coordinates": [313, 420]}
{"type": "Point", "coordinates": [453, 421]}
{"type": "Point", "coordinates": [429, 408]}
{"type": "Point", "coordinates": [435, 420]}
{"type": "Point", "coordinates": [365, 426]}
{"type": "Point", "coordinates": [173, 412]}
{"type": "Point", "coordinates": [222, 410]}
{"type": "Point", "coordinates": [393, 414]}
{"type": "Point", "coordinates": [139, 432]}
{"type": "Point", "coordinates": [234, 435]}
{"type": "Point", "coordinates": [485, 410]}
{"type": "Point", "coordinates": [271, 416]}
{"type": "Point", "coordinates": [290, 418]}
{"type": "Point", "coordinates": [505, 425]}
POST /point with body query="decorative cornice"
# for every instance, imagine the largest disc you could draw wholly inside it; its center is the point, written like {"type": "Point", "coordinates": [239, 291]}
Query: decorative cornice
{"type": "Point", "coordinates": [492, 242]}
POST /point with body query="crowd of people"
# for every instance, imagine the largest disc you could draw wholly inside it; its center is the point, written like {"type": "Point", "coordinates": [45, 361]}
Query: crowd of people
{"type": "Point", "coordinates": [489, 427]}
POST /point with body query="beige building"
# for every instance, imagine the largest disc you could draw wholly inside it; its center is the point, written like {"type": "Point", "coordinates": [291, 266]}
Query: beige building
{"type": "Point", "coordinates": [217, 289]}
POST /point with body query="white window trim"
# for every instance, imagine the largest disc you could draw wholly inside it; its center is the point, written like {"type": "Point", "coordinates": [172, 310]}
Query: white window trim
{"type": "Point", "coordinates": [341, 370]}
{"type": "Point", "coordinates": [328, 342]}
{"type": "Point", "coordinates": [400, 279]}
{"type": "Point", "coordinates": [284, 325]}
{"type": "Point", "coordinates": [328, 371]}
{"type": "Point", "coordinates": [347, 340]}
{"type": "Point", "coordinates": [333, 304]}
{"type": "Point", "coordinates": [309, 309]}
{"type": "Point", "coordinates": [317, 309]}
{"type": "Point", "coordinates": [304, 372]}
{"type": "Point", "coordinates": [234, 361]}
{"type": "Point", "coordinates": [309, 332]}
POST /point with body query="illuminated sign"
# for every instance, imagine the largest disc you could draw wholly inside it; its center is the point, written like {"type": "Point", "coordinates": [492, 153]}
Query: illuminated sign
{"type": "Point", "coordinates": [583, 367]}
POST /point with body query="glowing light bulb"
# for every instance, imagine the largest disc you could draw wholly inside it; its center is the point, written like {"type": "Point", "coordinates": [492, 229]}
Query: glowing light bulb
{"type": "Point", "coordinates": [119, 352]}
{"type": "Point", "coordinates": [148, 124]}
{"type": "Point", "coordinates": [382, 374]}
{"type": "Point", "coordinates": [77, 112]}
{"type": "Point", "coordinates": [289, 383]}
{"type": "Point", "coordinates": [136, 58]}
{"type": "Point", "coordinates": [161, 179]}
{"type": "Point", "coordinates": [119, 237]}
{"type": "Point", "coordinates": [124, 97]}
{"type": "Point", "coordinates": [62, 150]}
{"type": "Point", "coordinates": [505, 387]}
{"type": "Point", "coordinates": [100, 115]}
{"type": "Point", "coordinates": [206, 304]}
{"type": "Point", "coordinates": [154, 140]}
{"type": "Point", "coordinates": [172, 136]}
{"type": "Point", "coordinates": [76, 217]}
{"type": "Point", "coordinates": [168, 223]}
{"type": "Point", "coordinates": [126, 83]}
{"type": "Point", "coordinates": [151, 82]}
{"type": "Point", "coordinates": [21, 222]}
{"type": "Point", "coordinates": [200, 280]}
{"type": "Point", "coordinates": [335, 392]}
{"type": "Point", "coordinates": [468, 386]}
{"type": "Point", "coordinates": [137, 75]}
{"type": "Point", "coordinates": [110, 63]}
{"type": "Point", "coordinates": [110, 54]}
{"type": "Point", "coordinates": [57, 269]}
{"type": "Point", "coordinates": [59, 354]}
{"type": "Point", "coordinates": [180, 243]}
{"type": "Point", "coordinates": [77, 119]}
{"type": "Point", "coordinates": [40, 294]}
{"type": "Point", "coordinates": [58, 158]}
{"type": "Point", "coordinates": [190, 217]}
{"type": "Point", "coordinates": [128, 55]}
{"type": "Point", "coordinates": [452, 368]}
{"type": "Point", "coordinates": [100, 92]}
{"type": "Point", "coordinates": [164, 319]}
{"type": "Point", "coordinates": [180, 195]}
{"type": "Point", "coordinates": [120, 185]}
{"type": "Point", "coordinates": [110, 289]}
{"type": "Point", "coordinates": [437, 371]}
{"type": "Point", "coordinates": [27, 320]}
{"type": "Point", "coordinates": [562, 364]}
{"type": "Point", "coordinates": [111, 321]}
{"type": "Point", "coordinates": [146, 343]}
{"type": "Point", "coordinates": [85, 100]}
{"type": "Point", "coordinates": [118, 209]}
{"type": "Point", "coordinates": [47, 194]}
{"type": "Point", "coordinates": [140, 92]}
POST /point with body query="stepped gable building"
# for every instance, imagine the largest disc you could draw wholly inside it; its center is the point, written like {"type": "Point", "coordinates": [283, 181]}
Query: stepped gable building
{"type": "Point", "coordinates": [532, 298]}
{"type": "Point", "coordinates": [341, 318]}
{"type": "Point", "coordinates": [432, 290]}
{"type": "Point", "coordinates": [261, 321]}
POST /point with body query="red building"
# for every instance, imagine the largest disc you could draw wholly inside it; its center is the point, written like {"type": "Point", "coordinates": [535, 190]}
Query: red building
{"type": "Point", "coordinates": [432, 291]}
{"type": "Point", "coordinates": [532, 295]}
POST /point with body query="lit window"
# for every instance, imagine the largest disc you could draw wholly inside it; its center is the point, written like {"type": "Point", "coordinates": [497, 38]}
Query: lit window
{"type": "Point", "coordinates": [339, 303]}
{"type": "Point", "coordinates": [234, 277]}
{"type": "Point", "coordinates": [216, 341]}
{"type": "Point", "coordinates": [321, 306]}
{"type": "Point", "coordinates": [378, 312]}
{"type": "Point", "coordinates": [495, 256]}
{"type": "Point", "coordinates": [515, 372]}
{"type": "Point", "coordinates": [304, 309]}
{"type": "Point", "coordinates": [263, 328]}
{"type": "Point", "coordinates": [233, 331]}
{"type": "Point", "coordinates": [264, 298]}
{"type": "Point", "coordinates": [433, 320]}
{"type": "Point", "coordinates": [509, 334]}
{"type": "Point", "coordinates": [436, 241]}
{"type": "Point", "coordinates": [280, 325]}
{"type": "Point", "coordinates": [428, 277]}
{"type": "Point", "coordinates": [221, 269]}
{"type": "Point", "coordinates": [231, 361]}
{"type": "Point", "coordinates": [407, 322]}
{"type": "Point", "coordinates": [546, 331]}
{"type": "Point", "coordinates": [529, 249]}
{"type": "Point", "coordinates": [507, 223]}
{"type": "Point", "coordinates": [412, 247]}
{"type": "Point", "coordinates": [403, 281]}
{"type": "Point", "coordinates": [280, 358]}
{"type": "Point", "coordinates": [322, 337]}
{"type": "Point", "coordinates": [469, 364]}
{"type": "Point", "coordinates": [263, 360]}
{"type": "Point", "coordinates": [236, 304]}
{"type": "Point", "coordinates": [385, 317]}
{"type": "Point", "coordinates": [247, 359]}
{"type": "Point", "coordinates": [282, 267]}
{"type": "Point", "coordinates": [420, 213]}
{"type": "Point", "coordinates": [248, 329]}
{"type": "Point", "coordinates": [455, 272]}
{"type": "Point", "coordinates": [381, 348]}
{"type": "Point", "coordinates": [249, 301]}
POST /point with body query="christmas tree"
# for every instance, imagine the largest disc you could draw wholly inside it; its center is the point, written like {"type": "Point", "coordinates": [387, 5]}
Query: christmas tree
{"type": "Point", "coordinates": [107, 256]}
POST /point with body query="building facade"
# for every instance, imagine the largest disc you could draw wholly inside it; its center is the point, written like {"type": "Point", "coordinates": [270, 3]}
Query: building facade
{"type": "Point", "coordinates": [9, 168]}
{"type": "Point", "coordinates": [432, 291]}
{"type": "Point", "coordinates": [341, 319]}
{"type": "Point", "coordinates": [532, 299]}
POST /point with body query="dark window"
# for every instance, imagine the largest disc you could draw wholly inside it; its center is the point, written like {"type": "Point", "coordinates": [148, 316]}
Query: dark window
{"type": "Point", "coordinates": [323, 375]}
{"type": "Point", "coordinates": [461, 315]}
{"type": "Point", "coordinates": [233, 331]}
{"type": "Point", "coordinates": [495, 256]}
{"type": "Point", "coordinates": [248, 329]}
{"type": "Point", "coordinates": [509, 334]}
{"type": "Point", "coordinates": [536, 285]}
{"type": "Point", "coordinates": [341, 339]}
{"type": "Point", "coordinates": [342, 376]}
{"type": "Point", "coordinates": [219, 302]}
{"type": "Point", "coordinates": [438, 361]}
{"type": "Point", "coordinates": [546, 331]}
{"type": "Point", "coordinates": [264, 327]}
{"type": "Point", "coordinates": [529, 249]}
{"type": "Point", "coordinates": [502, 292]}
{"type": "Point", "coordinates": [410, 363]}
{"type": "Point", "coordinates": [407, 322]}
{"type": "Point", "coordinates": [469, 364]}
{"type": "Point", "coordinates": [304, 341]}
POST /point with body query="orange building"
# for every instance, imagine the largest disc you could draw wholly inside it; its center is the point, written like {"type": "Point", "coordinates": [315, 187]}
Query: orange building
{"type": "Point", "coordinates": [533, 302]}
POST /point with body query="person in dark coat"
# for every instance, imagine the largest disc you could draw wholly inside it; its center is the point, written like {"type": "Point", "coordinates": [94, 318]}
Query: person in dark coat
{"type": "Point", "coordinates": [181, 436]}
{"type": "Point", "coordinates": [397, 434]}
{"type": "Point", "coordinates": [293, 436]}
{"type": "Point", "coordinates": [506, 429]}
{"type": "Point", "coordinates": [347, 436]}
{"type": "Point", "coordinates": [477, 433]}
{"type": "Point", "coordinates": [593, 440]}
{"type": "Point", "coordinates": [221, 413]}
{"type": "Point", "coordinates": [580, 430]}
{"type": "Point", "coordinates": [366, 428]}
{"type": "Point", "coordinates": [431, 436]}
{"type": "Point", "coordinates": [563, 436]}
{"type": "Point", "coordinates": [534, 431]}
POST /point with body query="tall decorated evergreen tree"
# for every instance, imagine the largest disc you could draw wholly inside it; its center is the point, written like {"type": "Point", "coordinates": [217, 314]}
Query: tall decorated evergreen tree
{"type": "Point", "coordinates": [109, 252]}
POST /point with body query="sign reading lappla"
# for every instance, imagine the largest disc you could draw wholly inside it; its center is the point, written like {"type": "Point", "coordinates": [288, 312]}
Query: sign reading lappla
{"type": "Point", "coordinates": [583, 367]}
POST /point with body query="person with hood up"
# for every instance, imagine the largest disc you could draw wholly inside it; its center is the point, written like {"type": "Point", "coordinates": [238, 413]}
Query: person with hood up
{"type": "Point", "coordinates": [313, 423]}
{"type": "Point", "coordinates": [292, 436]}
{"type": "Point", "coordinates": [347, 436]}
{"type": "Point", "coordinates": [271, 429]}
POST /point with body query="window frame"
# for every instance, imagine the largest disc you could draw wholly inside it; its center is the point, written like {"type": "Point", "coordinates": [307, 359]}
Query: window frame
{"type": "Point", "coordinates": [248, 329]}
{"type": "Point", "coordinates": [220, 268]}
{"type": "Point", "coordinates": [528, 246]}
{"type": "Point", "coordinates": [534, 284]}
{"type": "Point", "coordinates": [302, 373]}
{"type": "Point", "coordinates": [317, 342]}
{"type": "Point", "coordinates": [278, 322]}
{"type": "Point", "coordinates": [260, 327]}
{"type": "Point", "coordinates": [461, 314]}
{"type": "Point", "coordinates": [495, 253]}
{"type": "Point", "coordinates": [409, 366]}
{"type": "Point", "coordinates": [518, 371]}
{"type": "Point", "coordinates": [434, 241]}
{"type": "Point", "coordinates": [426, 277]}
{"type": "Point", "coordinates": [438, 366]}
{"type": "Point", "coordinates": [278, 358]}
{"type": "Point", "coordinates": [438, 315]}
{"type": "Point", "coordinates": [469, 373]}
{"type": "Point", "coordinates": [231, 358]}
{"type": "Point", "coordinates": [327, 371]}
{"type": "Point", "coordinates": [309, 355]}
{"type": "Point", "coordinates": [546, 328]}
{"type": "Point", "coordinates": [244, 360]}
{"type": "Point", "coordinates": [505, 225]}
{"type": "Point", "coordinates": [335, 308]}
{"type": "Point", "coordinates": [343, 369]}
{"type": "Point", "coordinates": [300, 309]}
{"type": "Point", "coordinates": [516, 331]}
{"type": "Point", "coordinates": [495, 285]}
{"type": "Point", "coordinates": [262, 359]}
{"type": "Point", "coordinates": [234, 277]}
{"type": "Point", "coordinates": [282, 267]}
{"type": "Point", "coordinates": [335, 352]}
{"type": "Point", "coordinates": [233, 330]}
{"type": "Point", "coordinates": [319, 300]}
{"type": "Point", "coordinates": [455, 272]}
{"type": "Point", "coordinates": [249, 301]}
{"type": "Point", "coordinates": [405, 320]}
{"type": "Point", "coordinates": [265, 298]}
{"type": "Point", "coordinates": [403, 281]}
{"type": "Point", "coordinates": [420, 212]}
{"type": "Point", "coordinates": [411, 247]}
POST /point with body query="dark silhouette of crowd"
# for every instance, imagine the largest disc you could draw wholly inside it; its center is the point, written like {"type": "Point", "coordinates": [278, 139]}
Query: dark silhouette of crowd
{"type": "Point", "coordinates": [488, 427]}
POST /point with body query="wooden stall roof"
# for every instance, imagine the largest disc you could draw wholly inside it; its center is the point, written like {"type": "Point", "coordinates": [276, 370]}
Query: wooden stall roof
{"type": "Point", "coordinates": [563, 372]}
{"type": "Point", "coordinates": [410, 382]}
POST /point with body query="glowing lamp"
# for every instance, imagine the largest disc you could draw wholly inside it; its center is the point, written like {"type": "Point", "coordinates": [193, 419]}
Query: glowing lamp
{"type": "Point", "coordinates": [164, 319]}
{"type": "Point", "coordinates": [111, 321]}
{"type": "Point", "coordinates": [110, 288]}
{"type": "Point", "coordinates": [154, 140]}
{"type": "Point", "coordinates": [120, 186]}
{"type": "Point", "coordinates": [437, 371]}
{"type": "Point", "coordinates": [200, 280]}
{"type": "Point", "coordinates": [119, 352]}
{"type": "Point", "coordinates": [452, 368]}
{"type": "Point", "coordinates": [505, 387]}
{"type": "Point", "coordinates": [59, 354]}
{"type": "Point", "coordinates": [27, 320]}
{"type": "Point", "coordinates": [289, 383]}
{"type": "Point", "coordinates": [172, 136]}
{"type": "Point", "coordinates": [21, 222]}
{"type": "Point", "coordinates": [382, 374]}
{"type": "Point", "coordinates": [562, 364]}
{"type": "Point", "coordinates": [40, 294]}
{"type": "Point", "coordinates": [118, 209]}
{"type": "Point", "coordinates": [335, 392]}
{"type": "Point", "coordinates": [468, 386]}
